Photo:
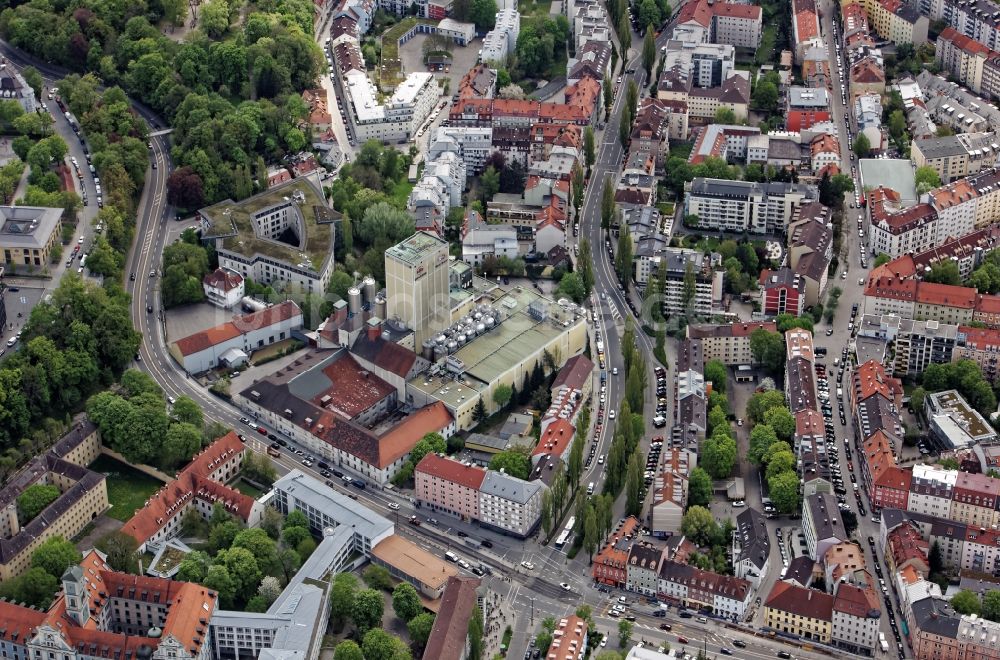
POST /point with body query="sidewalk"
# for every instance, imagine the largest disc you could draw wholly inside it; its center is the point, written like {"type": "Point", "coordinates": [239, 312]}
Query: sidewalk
{"type": "Point", "coordinates": [499, 615]}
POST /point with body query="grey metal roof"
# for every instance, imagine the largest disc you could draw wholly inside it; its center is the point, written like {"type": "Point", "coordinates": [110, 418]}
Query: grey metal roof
{"type": "Point", "coordinates": [508, 487]}
{"type": "Point", "coordinates": [935, 616]}
{"type": "Point", "coordinates": [755, 545]}
{"type": "Point", "coordinates": [341, 508]}
{"type": "Point", "coordinates": [826, 517]}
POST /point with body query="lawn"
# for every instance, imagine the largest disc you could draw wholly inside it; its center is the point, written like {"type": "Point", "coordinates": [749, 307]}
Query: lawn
{"type": "Point", "coordinates": [248, 489]}
{"type": "Point", "coordinates": [128, 489]}
{"type": "Point", "coordinates": [400, 192]}
{"type": "Point", "coordinates": [530, 9]}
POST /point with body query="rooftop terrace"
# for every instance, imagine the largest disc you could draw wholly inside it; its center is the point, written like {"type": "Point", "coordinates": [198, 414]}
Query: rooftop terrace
{"type": "Point", "coordinates": [233, 224]}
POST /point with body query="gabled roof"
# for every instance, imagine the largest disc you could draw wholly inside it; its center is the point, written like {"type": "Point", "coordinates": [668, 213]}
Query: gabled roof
{"type": "Point", "coordinates": [223, 279]}
{"type": "Point", "coordinates": [448, 469]}
{"type": "Point", "coordinates": [385, 354]}
{"type": "Point", "coordinates": [574, 373]}
{"type": "Point", "coordinates": [808, 603]}
{"type": "Point", "coordinates": [451, 625]}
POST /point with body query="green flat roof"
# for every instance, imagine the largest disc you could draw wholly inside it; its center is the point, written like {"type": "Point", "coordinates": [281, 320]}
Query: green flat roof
{"type": "Point", "coordinates": [232, 225]}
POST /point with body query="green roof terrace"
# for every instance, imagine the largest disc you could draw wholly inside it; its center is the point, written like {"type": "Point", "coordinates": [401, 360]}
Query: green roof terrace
{"type": "Point", "coordinates": [239, 227]}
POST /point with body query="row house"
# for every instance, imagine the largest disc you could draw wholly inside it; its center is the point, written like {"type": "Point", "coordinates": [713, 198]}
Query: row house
{"type": "Point", "coordinates": [704, 591]}
{"type": "Point", "coordinates": [796, 610]}
{"type": "Point", "coordinates": [644, 569]}
{"type": "Point", "coordinates": [610, 565]}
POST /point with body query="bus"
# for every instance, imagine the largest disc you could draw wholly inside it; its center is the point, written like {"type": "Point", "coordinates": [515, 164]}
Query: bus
{"type": "Point", "coordinates": [562, 539]}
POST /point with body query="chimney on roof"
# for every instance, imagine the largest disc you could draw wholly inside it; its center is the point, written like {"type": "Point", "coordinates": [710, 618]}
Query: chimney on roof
{"type": "Point", "coordinates": [374, 328]}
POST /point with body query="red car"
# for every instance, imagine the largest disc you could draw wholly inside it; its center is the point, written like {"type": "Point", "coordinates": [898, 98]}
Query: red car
{"type": "Point", "coordinates": [261, 430]}
{"type": "Point", "coordinates": [682, 640]}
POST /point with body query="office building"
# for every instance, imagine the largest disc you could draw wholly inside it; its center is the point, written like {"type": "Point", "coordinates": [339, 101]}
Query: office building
{"type": "Point", "coordinates": [954, 423]}
{"type": "Point", "coordinates": [282, 237]}
{"type": "Point", "coordinates": [27, 235]}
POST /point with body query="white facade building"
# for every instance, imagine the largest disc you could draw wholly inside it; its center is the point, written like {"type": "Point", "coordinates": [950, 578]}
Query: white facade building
{"type": "Point", "coordinates": [398, 118]}
{"type": "Point", "coordinates": [500, 41]}
{"type": "Point", "coordinates": [509, 504]}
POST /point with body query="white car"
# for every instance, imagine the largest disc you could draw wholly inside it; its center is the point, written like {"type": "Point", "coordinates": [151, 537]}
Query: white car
{"type": "Point", "coordinates": [739, 503]}
{"type": "Point", "coordinates": [565, 586]}
{"type": "Point", "coordinates": [528, 565]}
{"type": "Point", "coordinates": [393, 506]}
{"type": "Point", "coordinates": [611, 414]}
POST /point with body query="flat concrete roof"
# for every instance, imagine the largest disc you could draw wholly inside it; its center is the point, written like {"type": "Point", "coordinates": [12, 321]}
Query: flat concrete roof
{"type": "Point", "coordinates": [895, 173]}
{"type": "Point", "coordinates": [414, 561]}
{"type": "Point", "coordinates": [27, 227]}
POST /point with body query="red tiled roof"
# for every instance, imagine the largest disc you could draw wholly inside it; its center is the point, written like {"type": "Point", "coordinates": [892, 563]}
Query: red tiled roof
{"type": "Point", "coordinates": [963, 42]}
{"type": "Point", "coordinates": [895, 478]}
{"type": "Point", "coordinates": [794, 599]}
{"type": "Point", "coordinates": [352, 389]}
{"type": "Point", "coordinates": [988, 304]}
{"type": "Point", "coordinates": [892, 288]}
{"type": "Point", "coordinates": [19, 623]}
{"type": "Point", "coordinates": [399, 440]}
{"type": "Point", "coordinates": [556, 438]}
{"type": "Point", "coordinates": [199, 341]}
{"type": "Point", "coordinates": [451, 470]}
{"type": "Point", "coordinates": [855, 601]}
{"type": "Point", "coordinates": [451, 625]}
{"type": "Point", "coordinates": [932, 293]}
{"type": "Point", "coordinates": [750, 12]}
{"type": "Point", "coordinates": [193, 481]}
{"type": "Point", "coordinates": [980, 338]}
{"type": "Point", "coordinates": [697, 11]}
{"type": "Point", "coordinates": [190, 604]}
{"type": "Point", "coordinates": [871, 378]}
{"type": "Point", "coordinates": [223, 279]}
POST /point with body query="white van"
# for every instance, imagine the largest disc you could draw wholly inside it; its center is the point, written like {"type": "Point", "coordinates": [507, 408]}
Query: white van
{"type": "Point", "coordinates": [840, 393]}
{"type": "Point", "coordinates": [590, 488]}
{"type": "Point", "coordinates": [452, 557]}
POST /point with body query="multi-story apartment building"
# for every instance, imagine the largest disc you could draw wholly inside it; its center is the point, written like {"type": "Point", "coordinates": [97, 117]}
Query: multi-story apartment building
{"type": "Point", "coordinates": [896, 21]}
{"type": "Point", "coordinates": [796, 610]}
{"type": "Point", "coordinates": [982, 346]}
{"type": "Point", "coordinates": [956, 156]}
{"type": "Point", "coordinates": [736, 24]}
{"type": "Point", "coordinates": [931, 491]}
{"type": "Point", "coordinates": [495, 500]}
{"type": "Point", "coordinates": [962, 58]}
{"type": "Point", "coordinates": [690, 397]}
{"type": "Point", "coordinates": [743, 205]}
{"type": "Point", "coordinates": [981, 552]}
{"type": "Point", "coordinates": [680, 264]}
{"type": "Point", "coordinates": [644, 568]}
{"type": "Point", "coordinates": [822, 523]}
{"type": "Point", "coordinates": [902, 232]}
{"type": "Point", "coordinates": [500, 41]}
{"type": "Point", "coordinates": [751, 546]}
{"type": "Point", "coordinates": [610, 565]}
{"type": "Point", "coordinates": [782, 291]}
{"type": "Point", "coordinates": [974, 500]}
{"type": "Point", "coordinates": [922, 343]}
{"type": "Point", "coordinates": [688, 586]}
{"type": "Point", "coordinates": [82, 497]}
{"type": "Point", "coordinates": [728, 343]}
{"type": "Point", "coordinates": [806, 106]}
{"type": "Point", "coordinates": [446, 485]}
{"type": "Point", "coordinates": [569, 639]}
{"type": "Point", "coordinates": [511, 505]}
{"type": "Point", "coordinates": [855, 619]}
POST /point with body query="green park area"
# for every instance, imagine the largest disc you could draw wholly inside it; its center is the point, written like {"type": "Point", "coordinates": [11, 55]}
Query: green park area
{"type": "Point", "coordinates": [128, 489]}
